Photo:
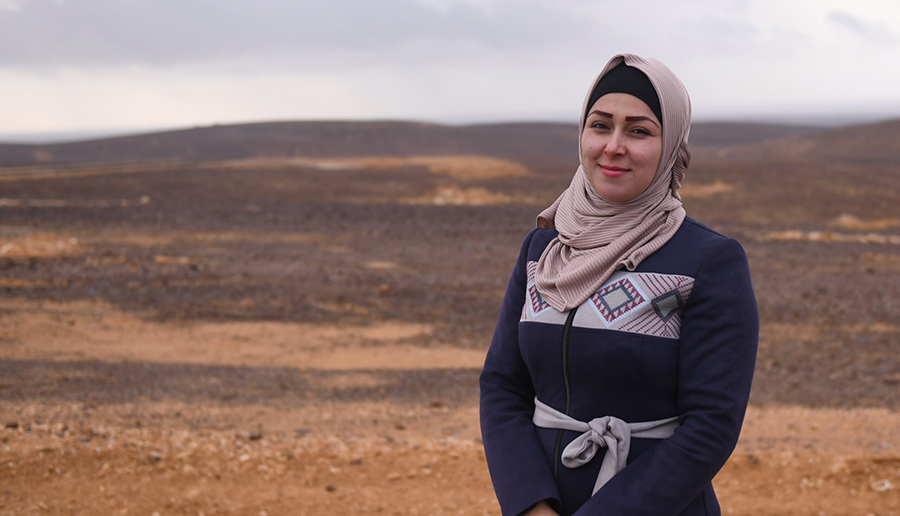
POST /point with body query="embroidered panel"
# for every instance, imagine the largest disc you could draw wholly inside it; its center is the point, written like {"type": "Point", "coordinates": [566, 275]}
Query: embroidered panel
{"type": "Point", "coordinates": [635, 302]}
{"type": "Point", "coordinates": [535, 308]}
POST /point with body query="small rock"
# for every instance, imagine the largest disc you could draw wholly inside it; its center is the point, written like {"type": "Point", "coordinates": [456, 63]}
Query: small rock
{"type": "Point", "coordinates": [154, 456]}
{"type": "Point", "coordinates": [882, 485]}
{"type": "Point", "coordinates": [256, 436]}
{"type": "Point", "coordinates": [356, 462]}
{"type": "Point", "coordinates": [393, 477]}
{"type": "Point", "coordinates": [244, 458]}
{"type": "Point", "coordinates": [330, 488]}
{"type": "Point", "coordinates": [12, 424]}
{"type": "Point", "coordinates": [399, 426]}
{"type": "Point", "coordinates": [752, 459]}
{"type": "Point", "coordinates": [300, 432]}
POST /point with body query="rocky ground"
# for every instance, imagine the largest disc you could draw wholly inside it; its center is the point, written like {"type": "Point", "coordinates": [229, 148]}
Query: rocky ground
{"type": "Point", "coordinates": [305, 337]}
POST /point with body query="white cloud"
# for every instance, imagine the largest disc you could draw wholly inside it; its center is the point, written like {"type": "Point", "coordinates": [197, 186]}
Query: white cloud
{"type": "Point", "coordinates": [11, 6]}
{"type": "Point", "coordinates": [170, 62]}
{"type": "Point", "coordinates": [166, 32]}
{"type": "Point", "coordinates": [876, 33]}
{"type": "Point", "coordinates": [146, 97]}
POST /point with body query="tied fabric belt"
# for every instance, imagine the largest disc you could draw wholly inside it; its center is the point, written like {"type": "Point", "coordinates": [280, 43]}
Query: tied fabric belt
{"type": "Point", "coordinates": [603, 432]}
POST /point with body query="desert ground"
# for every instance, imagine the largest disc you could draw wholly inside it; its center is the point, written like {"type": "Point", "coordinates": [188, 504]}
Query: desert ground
{"type": "Point", "coordinates": [271, 333]}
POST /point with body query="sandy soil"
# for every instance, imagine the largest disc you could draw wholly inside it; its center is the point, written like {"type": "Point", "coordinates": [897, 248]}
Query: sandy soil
{"type": "Point", "coordinates": [89, 430]}
{"type": "Point", "coordinates": [286, 339]}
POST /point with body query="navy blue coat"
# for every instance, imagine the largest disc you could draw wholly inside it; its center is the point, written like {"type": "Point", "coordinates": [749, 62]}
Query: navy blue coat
{"type": "Point", "coordinates": [675, 337]}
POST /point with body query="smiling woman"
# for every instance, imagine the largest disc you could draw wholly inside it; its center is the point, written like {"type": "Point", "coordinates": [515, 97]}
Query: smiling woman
{"type": "Point", "coordinates": [620, 368]}
{"type": "Point", "coordinates": [620, 146]}
{"type": "Point", "coordinates": [621, 139]}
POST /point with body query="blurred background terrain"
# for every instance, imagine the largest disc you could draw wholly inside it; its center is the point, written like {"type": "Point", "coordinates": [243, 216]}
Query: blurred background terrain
{"type": "Point", "coordinates": [290, 317]}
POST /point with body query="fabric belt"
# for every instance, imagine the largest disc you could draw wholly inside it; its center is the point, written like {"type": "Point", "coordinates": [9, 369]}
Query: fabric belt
{"type": "Point", "coordinates": [603, 432]}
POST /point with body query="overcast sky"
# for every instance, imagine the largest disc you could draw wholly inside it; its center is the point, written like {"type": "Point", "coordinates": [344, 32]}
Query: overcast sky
{"type": "Point", "coordinates": [69, 65]}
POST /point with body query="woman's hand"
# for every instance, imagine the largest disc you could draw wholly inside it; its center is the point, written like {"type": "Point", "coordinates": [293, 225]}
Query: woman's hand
{"type": "Point", "coordinates": [541, 509]}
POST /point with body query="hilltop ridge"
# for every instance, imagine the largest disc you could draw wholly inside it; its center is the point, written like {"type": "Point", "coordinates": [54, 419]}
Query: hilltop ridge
{"type": "Point", "coordinates": [516, 141]}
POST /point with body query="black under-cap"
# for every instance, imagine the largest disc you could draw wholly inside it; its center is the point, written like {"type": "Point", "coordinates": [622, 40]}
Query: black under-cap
{"type": "Point", "coordinates": [630, 80]}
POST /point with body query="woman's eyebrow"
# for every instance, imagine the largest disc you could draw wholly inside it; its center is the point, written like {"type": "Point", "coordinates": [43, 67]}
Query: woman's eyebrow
{"type": "Point", "coordinates": [627, 118]}
{"type": "Point", "coordinates": [601, 113]}
{"type": "Point", "coordinates": [639, 118]}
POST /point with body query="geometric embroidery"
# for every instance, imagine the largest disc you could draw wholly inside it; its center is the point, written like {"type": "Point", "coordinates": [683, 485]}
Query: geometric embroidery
{"type": "Point", "coordinates": [663, 318]}
{"type": "Point", "coordinates": [538, 304]}
{"type": "Point", "coordinates": [667, 304]}
{"type": "Point", "coordinates": [635, 302]}
{"type": "Point", "coordinates": [616, 300]}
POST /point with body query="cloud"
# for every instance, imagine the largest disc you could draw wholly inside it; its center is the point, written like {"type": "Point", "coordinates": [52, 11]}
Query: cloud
{"type": "Point", "coordinates": [10, 6]}
{"type": "Point", "coordinates": [871, 32]}
{"type": "Point", "coordinates": [53, 33]}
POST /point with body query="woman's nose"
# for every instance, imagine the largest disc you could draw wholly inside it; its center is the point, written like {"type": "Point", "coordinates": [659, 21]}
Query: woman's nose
{"type": "Point", "coordinates": [614, 145]}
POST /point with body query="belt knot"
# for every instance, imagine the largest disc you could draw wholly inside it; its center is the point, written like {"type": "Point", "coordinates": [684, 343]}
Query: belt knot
{"type": "Point", "coordinates": [603, 432]}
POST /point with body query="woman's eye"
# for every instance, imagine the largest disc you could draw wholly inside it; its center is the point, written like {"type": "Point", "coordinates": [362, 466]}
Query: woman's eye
{"type": "Point", "coordinates": [641, 131]}
{"type": "Point", "coordinates": [600, 125]}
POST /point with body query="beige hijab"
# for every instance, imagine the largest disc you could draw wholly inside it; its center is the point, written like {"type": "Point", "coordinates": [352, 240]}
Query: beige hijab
{"type": "Point", "coordinates": [598, 237]}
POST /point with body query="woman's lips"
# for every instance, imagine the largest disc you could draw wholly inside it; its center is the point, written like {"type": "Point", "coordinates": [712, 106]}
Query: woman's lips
{"type": "Point", "coordinates": [612, 171]}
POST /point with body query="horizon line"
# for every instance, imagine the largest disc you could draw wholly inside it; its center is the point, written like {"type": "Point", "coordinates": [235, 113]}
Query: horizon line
{"type": "Point", "coordinates": [52, 137]}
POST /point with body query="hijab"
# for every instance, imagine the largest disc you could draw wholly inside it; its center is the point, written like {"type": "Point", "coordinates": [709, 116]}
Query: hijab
{"type": "Point", "coordinates": [596, 236]}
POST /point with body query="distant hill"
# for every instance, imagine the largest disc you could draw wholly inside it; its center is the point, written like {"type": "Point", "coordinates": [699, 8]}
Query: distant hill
{"type": "Point", "coordinates": [875, 143]}
{"type": "Point", "coordinates": [726, 134]}
{"type": "Point", "coordinates": [514, 141]}
{"type": "Point", "coordinates": [312, 139]}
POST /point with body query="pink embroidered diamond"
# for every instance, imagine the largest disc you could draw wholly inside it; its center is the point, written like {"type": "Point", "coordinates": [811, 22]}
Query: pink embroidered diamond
{"type": "Point", "coordinates": [616, 299]}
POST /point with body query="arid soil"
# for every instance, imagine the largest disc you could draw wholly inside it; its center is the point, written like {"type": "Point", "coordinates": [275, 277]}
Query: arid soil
{"type": "Point", "coordinates": [288, 337]}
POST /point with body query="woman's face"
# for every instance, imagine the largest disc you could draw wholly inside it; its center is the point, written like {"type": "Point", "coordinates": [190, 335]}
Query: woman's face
{"type": "Point", "coordinates": [620, 146]}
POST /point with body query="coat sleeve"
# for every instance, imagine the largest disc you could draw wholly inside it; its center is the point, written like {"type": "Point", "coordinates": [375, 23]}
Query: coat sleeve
{"type": "Point", "coordinates": [519, 469]}
{"type": "Point", "coordinates": [716, 358]}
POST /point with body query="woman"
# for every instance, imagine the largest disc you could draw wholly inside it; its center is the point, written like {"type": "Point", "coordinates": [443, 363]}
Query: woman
{"type": "Point", "coordinates": [628, 333]}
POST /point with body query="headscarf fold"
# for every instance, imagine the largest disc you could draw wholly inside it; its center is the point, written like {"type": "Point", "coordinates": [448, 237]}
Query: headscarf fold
{"type": "Point", "coordinates": [596, 236]}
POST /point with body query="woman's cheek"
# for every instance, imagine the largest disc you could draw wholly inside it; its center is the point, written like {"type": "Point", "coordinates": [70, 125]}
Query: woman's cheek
{"type": "Point", "coordinates": [591, 147]}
